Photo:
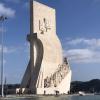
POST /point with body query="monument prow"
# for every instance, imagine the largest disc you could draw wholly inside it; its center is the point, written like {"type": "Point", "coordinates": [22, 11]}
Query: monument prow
{"type": "Point", "coordinates": [47, 72]}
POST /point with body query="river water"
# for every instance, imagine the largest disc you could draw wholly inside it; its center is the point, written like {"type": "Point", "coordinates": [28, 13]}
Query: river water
{"type": "Point", "coordinates": [95, 97]}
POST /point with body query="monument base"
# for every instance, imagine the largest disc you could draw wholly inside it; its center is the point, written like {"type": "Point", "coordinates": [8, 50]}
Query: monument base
{"type": "Point", "coordinates": [62, 88]}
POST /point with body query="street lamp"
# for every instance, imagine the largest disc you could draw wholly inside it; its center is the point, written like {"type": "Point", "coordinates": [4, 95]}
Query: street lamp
{"type": "Point", "coordinates": [2, 19]}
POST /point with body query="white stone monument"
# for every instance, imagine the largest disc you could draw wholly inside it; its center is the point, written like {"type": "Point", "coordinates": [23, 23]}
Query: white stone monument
{"type": "Point", "coordinates": [47, 71]}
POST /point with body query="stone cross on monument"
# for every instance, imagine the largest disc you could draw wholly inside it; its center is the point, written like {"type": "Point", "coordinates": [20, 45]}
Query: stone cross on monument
{"type": "Point", "coordinates": [44, 26]}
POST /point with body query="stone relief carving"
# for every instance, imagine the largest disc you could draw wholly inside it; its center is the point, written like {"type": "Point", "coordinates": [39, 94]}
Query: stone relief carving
{"type": "Point", "coordinates": [44, 25]}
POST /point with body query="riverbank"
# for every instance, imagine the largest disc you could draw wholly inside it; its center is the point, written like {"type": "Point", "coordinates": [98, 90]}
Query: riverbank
{"type": "Point", "coordinates": [34, 96]}
{"type": "Point", "coordinates": [60, 97]}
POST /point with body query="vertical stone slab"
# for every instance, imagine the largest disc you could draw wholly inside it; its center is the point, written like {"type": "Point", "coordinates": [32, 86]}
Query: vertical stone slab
{"type": "Point", "coordinates": [45, 27]}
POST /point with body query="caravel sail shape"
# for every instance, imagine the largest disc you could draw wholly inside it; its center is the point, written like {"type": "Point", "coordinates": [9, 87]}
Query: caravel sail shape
{"type": "Point", "coordinates": [47, 71]}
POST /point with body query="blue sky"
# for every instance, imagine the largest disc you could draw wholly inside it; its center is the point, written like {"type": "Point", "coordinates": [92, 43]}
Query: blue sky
{"type": "Point", "coordinates": [78, 27]}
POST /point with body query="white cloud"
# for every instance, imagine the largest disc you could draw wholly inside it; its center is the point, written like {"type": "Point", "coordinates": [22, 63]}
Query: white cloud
{"type": "Point", "coordinates": [80, 53]}
{"type": "Point", "coordinates": [8, 50]}
{"type": "Point", "coordinates": [76, 53]}
{"type": "Point", "coordinates": [6, 11]}
{"type": "Point", "coordinates": [88, 42]}
{"type": "Point", "coordinates": [83, 56]}
{"type": "Point", "coordinates": [13, 49]}
{"type": "Point", "coordinates": [75, 41]}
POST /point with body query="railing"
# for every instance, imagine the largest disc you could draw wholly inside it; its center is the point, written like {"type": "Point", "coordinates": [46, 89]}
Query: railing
{"type": "Point", "coordinates": [57, 77]}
